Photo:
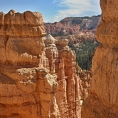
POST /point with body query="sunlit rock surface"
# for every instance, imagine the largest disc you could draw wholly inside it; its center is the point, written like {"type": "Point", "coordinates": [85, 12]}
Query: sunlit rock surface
{"type": "Point", "coordinates": [38, 75]}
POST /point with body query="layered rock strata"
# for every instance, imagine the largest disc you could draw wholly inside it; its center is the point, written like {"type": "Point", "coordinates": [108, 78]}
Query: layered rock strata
{"type": "Point", "coordinates": [103, 99]}
{"type": "Point", "coordinates": [26, 87]}
{"type": "Point", "coordinates": [37, 75]}
{"type": "Point", "coordinates": [73, 25]}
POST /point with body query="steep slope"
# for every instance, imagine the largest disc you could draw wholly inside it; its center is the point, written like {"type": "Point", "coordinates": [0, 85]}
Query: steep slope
{"type": "Point", "coordinates": [73, 25]}
{"type": "Point", "coordinates": [102, 101]}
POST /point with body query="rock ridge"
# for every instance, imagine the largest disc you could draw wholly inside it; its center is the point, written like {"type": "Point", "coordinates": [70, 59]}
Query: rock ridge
{"type": "Point", "coordinates": [73, 25]}
{"type": "Point", "coordinates": [37, 74]}
{"type": "Point", "coordinates": [17, 24]}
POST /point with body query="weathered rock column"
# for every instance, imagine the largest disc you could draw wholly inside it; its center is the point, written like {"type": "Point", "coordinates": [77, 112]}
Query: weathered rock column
{"type": "Point", "coordinates": [61, 91]}
{"type": "Point", "coordinates": [51, 52]}
{"type": "Point", "coordinates": [45, 94]}
{"type": "Point", "coordinates": [68, 81]}
{"type": "Point", "coordinates": [103, 99]}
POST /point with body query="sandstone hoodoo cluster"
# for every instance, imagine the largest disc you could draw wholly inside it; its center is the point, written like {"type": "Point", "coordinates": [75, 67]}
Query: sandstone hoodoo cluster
{"type": "Point", "coordinates": [37, 74]}
{"type": "Point", "coordinates": [39, 77]}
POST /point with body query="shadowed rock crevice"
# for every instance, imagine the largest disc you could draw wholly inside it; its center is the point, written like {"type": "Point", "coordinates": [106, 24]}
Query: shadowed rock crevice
{"type": "Point", "coordinates": [4, 79]}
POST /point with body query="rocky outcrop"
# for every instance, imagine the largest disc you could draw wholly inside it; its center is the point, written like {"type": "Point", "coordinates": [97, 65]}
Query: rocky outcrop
{"type": "Point", "coordinates": [62, 62]}
{"type": "Point", "coordinates": [26, 87]}
{"type": "Point", "coordinates": [102, 101]}
{"type": "Point", "coordinates": [73, 25]}
{"type": "Point", "coordinates": [37, 75]}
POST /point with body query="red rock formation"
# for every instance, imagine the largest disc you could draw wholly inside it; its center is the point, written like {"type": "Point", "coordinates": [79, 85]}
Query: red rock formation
{"type": "Point", "coordinates": [62, 61]}
{"type": "Point", "coordinates": [73, 25]}
{"type": "Point", "coordinates": [26, 87]}
{"type": "Point", "coordinates": [67, 79]}
{"type": "Point", "coordinates": [103, 102]}
{"type": "Point", "coordinates": [37, 75]}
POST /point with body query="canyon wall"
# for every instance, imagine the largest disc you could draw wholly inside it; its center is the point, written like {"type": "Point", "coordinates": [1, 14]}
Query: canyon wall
{"type": "Point", "coordinates": [24, 93]}
{"type": "Point", "coordinates": [73, 25]}
{"type": "Point", "coordinates": [37, 74]}
{"type": "Point", "coordinates": [103, 98]}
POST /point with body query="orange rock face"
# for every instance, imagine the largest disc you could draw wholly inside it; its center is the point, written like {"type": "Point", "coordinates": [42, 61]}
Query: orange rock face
{"type": "Point", "coordinates": [62, 62]}
{"type": "Point", "coordinates": [25, 87]}
{"type": "Point", "coordinates": [102, 101]}
{"type": "Point", "coordinates": [73, 25]}
{"type": "Point", "coordinates": [37, 75]}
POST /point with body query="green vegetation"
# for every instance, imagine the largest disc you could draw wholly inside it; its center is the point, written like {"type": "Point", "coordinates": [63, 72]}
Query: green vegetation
{"type": "Point", "coordinates": [60, 34]}
{"type": "Point", "coordinates": [84, 53]}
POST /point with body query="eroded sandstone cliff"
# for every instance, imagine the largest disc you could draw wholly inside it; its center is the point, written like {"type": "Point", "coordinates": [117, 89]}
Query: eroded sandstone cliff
{"type": "Point", "coordinates": [24, 90]}
{"type": "Point", "coordinates": [73, 25]}
{"type": "Point", "coordinates": [103, 99]}
{"type": "Point", "coordinates": [37, 75]}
